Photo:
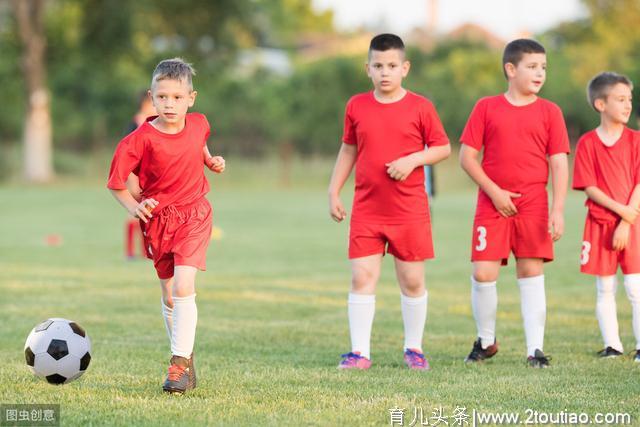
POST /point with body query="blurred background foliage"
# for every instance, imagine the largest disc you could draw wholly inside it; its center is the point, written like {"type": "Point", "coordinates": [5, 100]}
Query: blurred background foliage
{"type": "Point", "coordinates": [274, 76]}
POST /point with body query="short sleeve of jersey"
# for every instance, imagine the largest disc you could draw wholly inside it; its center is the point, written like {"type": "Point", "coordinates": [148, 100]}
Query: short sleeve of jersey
{"type": "Point", "coordinates": [349, 133]}
{"type": "Point", "coordinates": [584, 174]}
{"type": "Point", "coordinates": [636, 146]}
{"type": "Point", "coordinates": [558, 137]}
{"type": "Point", "coordinates": [473, 133]}
{"type": "Point", "coordinates": [206, 128]}
{"type": "Point", "coordinates": [433, 132]}
{"type": "Point", "coordinates": [125, 160]}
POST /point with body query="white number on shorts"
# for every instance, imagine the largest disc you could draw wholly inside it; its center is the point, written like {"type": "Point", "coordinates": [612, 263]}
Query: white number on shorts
{"type": "Point", "coordinates": [482, 239]}
{"type": "Point", "coordinates": [584, 256]}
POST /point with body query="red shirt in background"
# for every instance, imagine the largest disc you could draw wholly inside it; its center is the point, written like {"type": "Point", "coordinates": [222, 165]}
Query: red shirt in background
{"type": "Point", "coordinates": [516, 142]}
{"type": "Point", "coordinates": [170, 166]}
{"type": "Point", "coordinates": [382, 134]}
{"type": "Point", "coordinates": [614, 170]}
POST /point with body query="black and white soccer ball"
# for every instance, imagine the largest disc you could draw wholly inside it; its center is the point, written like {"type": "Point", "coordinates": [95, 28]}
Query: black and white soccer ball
{"type": "Point", "coordinates": [58, 350]}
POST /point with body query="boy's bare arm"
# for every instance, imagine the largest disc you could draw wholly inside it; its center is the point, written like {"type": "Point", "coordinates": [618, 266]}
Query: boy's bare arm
{"type": "Point", "coordinates": [140, 210]}
{"type": "Point", "coordinates": [341, 171]}
{"type": "Point", "coordinates": [628, 213]}
{"type": "Point", "coordinates": [621, 233]}
{"type": "Point", "coordinates": [401, 168]}
{"type": "Point", "coordinates": [559, 185]}
{"type": "Point", "coordinates": [470, 163]}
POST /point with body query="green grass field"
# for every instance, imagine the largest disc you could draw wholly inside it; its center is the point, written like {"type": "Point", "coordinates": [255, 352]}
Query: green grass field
{"type": "Point", "coordinates": [272, 316]}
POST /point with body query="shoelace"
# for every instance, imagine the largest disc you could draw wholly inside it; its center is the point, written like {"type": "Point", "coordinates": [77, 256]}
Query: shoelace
{"type": "Point", "coordinates": [351, 355]}
{"type": "Point", "coordinates": [417, 358]}
{"type": "Point", "coordinates": [176, 372]}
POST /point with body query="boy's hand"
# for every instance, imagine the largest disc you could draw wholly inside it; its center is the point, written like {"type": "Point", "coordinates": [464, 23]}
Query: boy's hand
{"type": "Point", "coordinates": [143, 209]}
{"type": "Point", "coordinates": [216, 164]}
{"type": "Point", "coordinates": [629, 213]}
{"type": "Point", "coordinates": [621, 236]}
{"type": "Point", "coordinates": [503, 203]}
{"type": "Point", "coordinates": [336, 210]}
{"type": "Point", "coordinates": [400, 169]}
{"type": "Point", "coordinates": [556, 225]}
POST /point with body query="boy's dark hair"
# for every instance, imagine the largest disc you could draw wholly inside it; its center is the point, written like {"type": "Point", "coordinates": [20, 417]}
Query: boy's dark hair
{"type": "Point", "coordinates": [515, 50]}
{"type": "Point", "coordinates": [174, 69]}
{"type": "Point", "coordinates": [600, 85]}
{"type": "Point", "coordinates": [383, 42]}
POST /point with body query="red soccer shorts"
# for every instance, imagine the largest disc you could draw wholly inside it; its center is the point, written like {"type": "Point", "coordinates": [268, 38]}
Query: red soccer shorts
{"type": "Point", "coordinates": [407, 242]}
{"type": "Point", "coordinates": [494, 238]}
{"type": "Point", "coordinates": [179, 236]}
{"type": "Point", "coordinates": [597, 255]}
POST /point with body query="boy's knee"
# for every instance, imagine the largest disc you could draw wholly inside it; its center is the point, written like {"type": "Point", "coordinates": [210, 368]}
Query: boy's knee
{"type": "Point", "coordinates": [363, 280]}
{"type": "Point", "coordinates": [411, 282]}
{"type": "Point", "coordinates": [167, 300]}
{"type": "Point", "coordinates": [484, 276]}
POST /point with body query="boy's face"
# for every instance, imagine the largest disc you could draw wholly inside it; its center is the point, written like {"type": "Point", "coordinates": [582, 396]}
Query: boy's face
{"type": "Point", "coordinates": [529, 75]}
{"type": "Point", "coordinates": [387, 69]}
{"type": "Point", "coordinates": [617, 104]}
{"type": "Point", "coordinates": [172, 99]}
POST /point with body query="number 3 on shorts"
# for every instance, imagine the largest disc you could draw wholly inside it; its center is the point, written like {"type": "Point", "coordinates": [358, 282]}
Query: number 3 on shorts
{"type": "Point", "coordinates": [584, 255]}
{"type": "Point", "coordinates": [482, 239]}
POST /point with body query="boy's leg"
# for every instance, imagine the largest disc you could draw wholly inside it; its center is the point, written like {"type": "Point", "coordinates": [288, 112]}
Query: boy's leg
{"type": "Point", "coordinates": [532, 301]}
{"type": "Point", "coordinates": [365, 272]}
{"type": "Point", "coordinates": [185, 311]}
{"type": "Point", "coordinates": [413, 300]}
{"type": "Point", "coordinates": [484, 300]}
{"type": "Point", "coordinates": [632, 286]}
{"type": "Point", "coordinates": [167, 304]}
{"type": "Point", "coordinates": [130, 231]}
{"type": "Point", "coordinates": [606, 311]}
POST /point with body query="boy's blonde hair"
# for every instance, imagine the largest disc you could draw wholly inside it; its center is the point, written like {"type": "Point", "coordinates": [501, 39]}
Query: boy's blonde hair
{"type": "Point", "coordinates": [174, 69]}
{"type": "Point", "coordinates": [600, 85]}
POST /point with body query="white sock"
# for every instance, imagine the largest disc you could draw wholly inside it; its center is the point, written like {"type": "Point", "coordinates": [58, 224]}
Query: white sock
{"type": "Point", "coordinates": [414, 316]}
{"type": "Point", "coordinates": [632, 286]}
{"type": "Point", "coordinates": [185, 318]}
{"type": "Point", "coordinates": [533, 305]}
{"type": "Point", "coordinates": [484, 302]}
{"type": "Point", "coordinates": [167, 312]}
{"type": "Point", "coordinates": [361, 311]}
{"type": "Point", "coordinates": [606, 311]}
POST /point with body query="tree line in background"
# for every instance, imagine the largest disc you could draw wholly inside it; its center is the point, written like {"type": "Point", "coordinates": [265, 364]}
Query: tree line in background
{"type": "Point", "coordinates": [99, 54]}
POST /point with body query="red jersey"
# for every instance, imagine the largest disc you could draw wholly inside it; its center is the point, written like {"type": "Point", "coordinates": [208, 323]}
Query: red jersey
{"type": "Point", "coordinates": [517, 141]}
{"type": "Point", "coordinates": [614, 170]}
{"type": "Point", "coordinates": [170, 166]}
{"type": "Point", "coordinates": [384, 133]}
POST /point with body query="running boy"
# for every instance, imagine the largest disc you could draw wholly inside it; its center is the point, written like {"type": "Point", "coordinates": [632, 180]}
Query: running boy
{"type": "Point", "coordinates": [607, 168]}
{"type": "Point", "coordinates": [521, 134]}
{"type": "Point", "coordinates": [166, 153]}
{"type": "Point", "coordinates": [385, 133]}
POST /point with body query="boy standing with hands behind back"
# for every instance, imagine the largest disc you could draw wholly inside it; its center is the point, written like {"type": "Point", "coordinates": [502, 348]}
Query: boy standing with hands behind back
{"type": "Point", "coordinates": [521, 134]}
{"type": "Point", "coordinates": [385, 133]}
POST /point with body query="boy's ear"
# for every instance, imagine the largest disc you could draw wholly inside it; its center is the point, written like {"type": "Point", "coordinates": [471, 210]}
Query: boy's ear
{"type": "Point", "coordinates": [192, 95]}
{"type": "Point", "coordinates": [406, 65]}
{"type": "Point", "coordinates": [366, 68]}
{"type": "Point", "coordinates": [510, 69]}
{"type": "Point", "coordinates": [599, 104]}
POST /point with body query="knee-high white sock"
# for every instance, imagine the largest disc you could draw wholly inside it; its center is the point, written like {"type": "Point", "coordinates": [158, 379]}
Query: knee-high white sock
{"type": "Point", "coordinates": [414, 316]}
{"type": "Point", "coordinates": [361, 311]}
{"type": "Point", "coordinates": [484, 302]}
{"type": "Point", "coordinates": [533, 305]}
{"type": "Point", "coordinates": [185, 318]}
{"type": "Point", "coordinates": [632, 286]}
{"type": "Point", "coordinates": [167, 313]}
{"type": "Point", "coordinates": [606, 311]}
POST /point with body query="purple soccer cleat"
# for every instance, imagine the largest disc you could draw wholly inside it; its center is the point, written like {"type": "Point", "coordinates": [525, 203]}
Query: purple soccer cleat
{"type": "Point", "coordinates": [353, 360]}
{"type": "Point", "coordinates": [415, 359]}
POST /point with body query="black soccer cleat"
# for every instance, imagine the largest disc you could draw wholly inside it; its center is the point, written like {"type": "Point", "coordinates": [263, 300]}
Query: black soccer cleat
{"type": "Point", "coordinates": [538, 360]}
{"type": "Point", "coordinates": [180, 377]}
{"type": "Point", "coordinates": [636, 358]}
{"type": "Point", "coordinates": [609, 352]}
{"type": "Point", "coordinates": [478, 354]}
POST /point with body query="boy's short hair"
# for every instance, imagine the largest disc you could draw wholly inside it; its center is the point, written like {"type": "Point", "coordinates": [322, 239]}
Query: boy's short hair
{"type": "Point", "coordinates": [600, 85]}
{"type": "Point", "coordinates": [515, 50]}
{"type": "Point", "coordinates": [387, 41]}
{"type": "Point", "coordinates": [174, 69]}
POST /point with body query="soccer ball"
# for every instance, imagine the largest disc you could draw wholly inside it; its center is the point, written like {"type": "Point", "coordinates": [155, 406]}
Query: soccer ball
{"type": "Point", "coordinates": [58, 350]}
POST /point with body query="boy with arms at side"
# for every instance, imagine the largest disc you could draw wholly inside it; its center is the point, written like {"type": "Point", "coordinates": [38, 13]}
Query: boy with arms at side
{"type": "Point", "coordinates": [166, 153]}
{"type": "Point", "coordinates": [521, 134]}
{"type": "Point", "coordinates": [607, 168]}
{"type": "Point", "coordinates": [385, 133]}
